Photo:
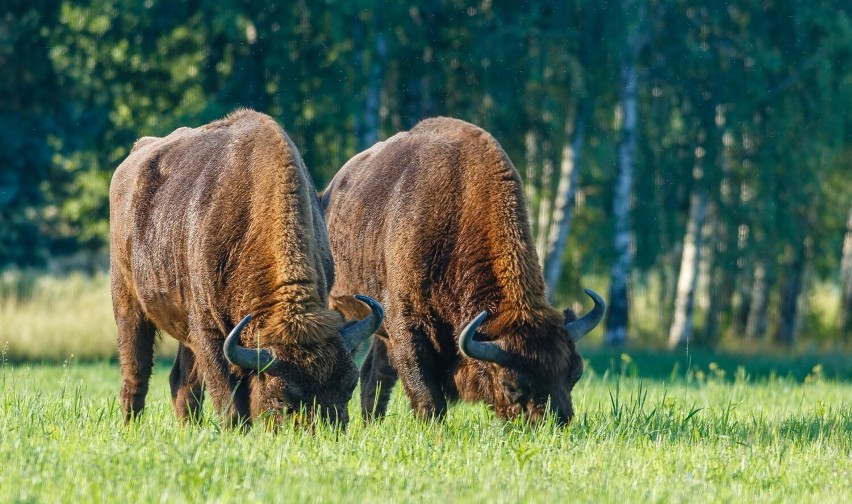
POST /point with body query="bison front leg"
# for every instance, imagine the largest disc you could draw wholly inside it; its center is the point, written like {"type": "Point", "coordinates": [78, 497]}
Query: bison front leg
{"type": "Point", "coordinates": [229, 393]}
{"type": "Point", "coordinates": [135, 352]}
{"type": "Point", "coordinates": [415, 359]}
{"type": "Point", "coordinates": [186, 385]}
{"type": "Point", "coordinates": [377, 380]}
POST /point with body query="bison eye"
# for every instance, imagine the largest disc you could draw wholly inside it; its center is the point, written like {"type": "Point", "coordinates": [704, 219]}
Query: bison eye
{"type": "Point", "coordinates": [278, 403]}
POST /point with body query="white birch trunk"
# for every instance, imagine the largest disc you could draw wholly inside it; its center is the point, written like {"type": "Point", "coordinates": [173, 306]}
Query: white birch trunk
{"type": "Point", "coordinates": [531, 182]}
{"type": "Point", "coordinates": [543, 207]}
{"type": "Point", "coordinates": [617, 319]}
{"type": "Point", "coordinates": [372, 102]}
{"type": "Point", "coordinates": [560, 221]}
{"type": "Point", "coordinates": [682, 324]}
{"type": "Point", "coordinates": [846, 283]}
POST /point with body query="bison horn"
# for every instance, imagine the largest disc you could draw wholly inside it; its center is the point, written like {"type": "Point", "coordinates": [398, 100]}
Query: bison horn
{"type": "Point", "coordinates": [580, 327]}
{"type": "Point", "coordinates": [480, 350]}
{"type": "Point", "coordinates": [355, 333]}
{"type": "Point", "coordinates": [258, 359]}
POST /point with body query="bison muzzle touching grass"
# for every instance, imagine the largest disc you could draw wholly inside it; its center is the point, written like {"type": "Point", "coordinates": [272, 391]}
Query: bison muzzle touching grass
{"type": "Point", "coordinates": [209, 227]}
{"type": "Point", "coordinates": [432, 222]}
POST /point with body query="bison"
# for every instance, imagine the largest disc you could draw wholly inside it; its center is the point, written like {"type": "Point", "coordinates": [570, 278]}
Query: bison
{"type": "Point", "coordinates": [209, 227]}
{"type": "Point", "coordinates": [432, 222]}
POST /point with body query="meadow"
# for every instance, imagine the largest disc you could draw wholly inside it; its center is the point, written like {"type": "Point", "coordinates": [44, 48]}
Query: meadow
{"type": "Point", "coordinates": [650, 427]}
{"type": "Point", "coordinates": [705, 437]}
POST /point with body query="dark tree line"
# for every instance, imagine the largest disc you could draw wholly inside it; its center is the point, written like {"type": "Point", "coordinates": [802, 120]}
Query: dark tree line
{"type": "Point", "coordinates": [692, 157]}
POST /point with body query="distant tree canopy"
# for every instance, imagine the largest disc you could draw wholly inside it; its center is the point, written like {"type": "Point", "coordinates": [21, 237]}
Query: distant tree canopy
{"type": "Point", "coordinates": [742, 109]}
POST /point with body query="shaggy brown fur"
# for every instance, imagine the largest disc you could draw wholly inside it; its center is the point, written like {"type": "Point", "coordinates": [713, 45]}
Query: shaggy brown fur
{"type": "Point", "coordinates": [210, 224]}
{"type": "Point", "coordinates": [432, 222]}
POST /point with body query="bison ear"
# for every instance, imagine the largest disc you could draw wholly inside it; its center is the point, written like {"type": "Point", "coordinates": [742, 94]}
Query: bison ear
{"type": "Point", "coordinates": [568, 316]}
{"type": "Point", "coordinates": [354, 334]}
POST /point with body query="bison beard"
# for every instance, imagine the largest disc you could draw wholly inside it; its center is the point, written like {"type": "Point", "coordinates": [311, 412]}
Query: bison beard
{"type": "Point", "coordinates": [212, 225]}
{"type": "Point", "coordinates": [433, 223]}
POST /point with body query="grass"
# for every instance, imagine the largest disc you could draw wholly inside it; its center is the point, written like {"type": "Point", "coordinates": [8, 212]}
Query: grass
{"type": "Point", "coordinates": [708, 437]}
{"type": "Point", "coordinates": [53, 318]}
{"type": "Point", "coordinates": [653, 426]}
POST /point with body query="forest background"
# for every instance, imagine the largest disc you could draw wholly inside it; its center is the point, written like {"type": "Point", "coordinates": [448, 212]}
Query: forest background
{"type": "Point", "coordinates": [690, 160]}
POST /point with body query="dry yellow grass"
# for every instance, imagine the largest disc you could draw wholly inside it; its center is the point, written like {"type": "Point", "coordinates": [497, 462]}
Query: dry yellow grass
{"type": "Point", "coordinates": [46, 317]}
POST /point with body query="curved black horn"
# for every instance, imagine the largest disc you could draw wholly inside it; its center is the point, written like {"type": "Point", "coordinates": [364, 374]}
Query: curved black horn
{"type": "Point", "coordinates": [248, 358]}
{"type": "Point", "coordinates": [354, 334]}
{"type": "Point", "coordinates": [480, 350]}
{"type": "Point", "coordinates": [580, 327]}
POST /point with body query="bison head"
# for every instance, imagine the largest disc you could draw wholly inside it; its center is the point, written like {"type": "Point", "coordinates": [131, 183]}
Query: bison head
{"type": "Point", "coordinates": [304, 381]}
{"type": "Point", "coordinates": [542, 371]}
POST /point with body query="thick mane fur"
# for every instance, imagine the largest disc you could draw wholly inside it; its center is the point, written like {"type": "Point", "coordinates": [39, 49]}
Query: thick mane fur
{"type": "Point", "coordinates": [494, 202]}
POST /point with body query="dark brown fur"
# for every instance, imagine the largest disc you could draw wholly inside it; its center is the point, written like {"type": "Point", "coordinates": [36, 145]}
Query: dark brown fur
{"type": "Point", "coordinates": [432, 223]}
{"type": "Point", "coordinates": [210, 224]}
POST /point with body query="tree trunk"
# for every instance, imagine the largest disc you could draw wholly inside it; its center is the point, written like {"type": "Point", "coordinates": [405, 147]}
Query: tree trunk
{"type": "Point", "coordinates": [560, 221]}
{"type": "Point", "coordinates": [544, 201]}
{"type": "Point", "coordinates": [845, 319]}
{"type": "Point", "coordinates": [789, 309]}
{"type": "Point", "coordinates": [758, 314]}
{"type": "Point", "coordinates": [532, 187]}
{"type": "Point", "coordinates": [721, 285]}
{"type": "Point", "coordinates": [744, 282]}
{"type": "Point", "coordinates": [617, 319]}
{"type": "Point", "coordinates": [370, 124]}
{"type": "Point", "coordinates": [682, 325]}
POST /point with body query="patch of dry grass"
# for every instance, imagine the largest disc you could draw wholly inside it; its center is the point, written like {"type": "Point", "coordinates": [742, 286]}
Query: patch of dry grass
{"type": "Point", "coordinates": [54, 318]}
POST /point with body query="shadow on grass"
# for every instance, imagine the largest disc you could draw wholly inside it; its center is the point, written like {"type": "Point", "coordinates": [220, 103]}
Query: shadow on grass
{"type": "Point", "coordinates": [670, 365]}
{"type": "Point", "coordinates": [631, 415]}
{"type": "Point", "coordinates": [635, 362]}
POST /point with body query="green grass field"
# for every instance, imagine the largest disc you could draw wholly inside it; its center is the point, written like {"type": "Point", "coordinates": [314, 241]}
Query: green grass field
{"type": "Point", "coordinates": [652, 426]}
{"type": "Point", "coordinates": [708, 437]}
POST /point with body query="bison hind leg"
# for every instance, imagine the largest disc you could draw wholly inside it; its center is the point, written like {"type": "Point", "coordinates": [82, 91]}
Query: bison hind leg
{"type": "Point", "coordinates": [136, 336]}
{"type": "Point", "coordinates": [186, 386]}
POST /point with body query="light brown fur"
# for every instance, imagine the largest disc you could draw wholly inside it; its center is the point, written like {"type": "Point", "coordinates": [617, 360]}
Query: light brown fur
{"type": "Point", "coordinates": [432, 222]}
{"type": "Point", "coordinates": [207, 225]}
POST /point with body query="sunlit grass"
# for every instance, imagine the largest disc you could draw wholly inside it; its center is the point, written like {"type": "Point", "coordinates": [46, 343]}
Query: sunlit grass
{"type": "Point", "coordinates": [54, 318]}
{"type": "Point", "coordinates": [651, 426]}
{"type": "Point", "coordinates": [708, 438]}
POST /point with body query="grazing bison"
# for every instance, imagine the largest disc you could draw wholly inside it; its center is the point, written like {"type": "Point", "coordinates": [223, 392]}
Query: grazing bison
{"type": "Point", "coordinates": [207, 226]}
{"type": "Point", "coordinates": [432, 222]}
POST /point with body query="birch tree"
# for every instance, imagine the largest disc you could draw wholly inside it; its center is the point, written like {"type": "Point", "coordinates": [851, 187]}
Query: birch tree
{"type": "Point", "coordinates": [617, 319]}
{"type": "Point", "coordinates": [372, 57]}
{"type": "Point", "coordinates": [682, 324]}
{"type": "Point", "coordinates": [845, 318]}
{"type": "Point", "coordinates": [560, 221]}
{"type": "Point", "coordinates": [570, 161]}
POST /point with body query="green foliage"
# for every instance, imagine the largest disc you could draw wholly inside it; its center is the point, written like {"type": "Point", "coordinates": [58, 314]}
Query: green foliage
{"type": "Point", "coordinates": [746, 102]}
{"type": "Point", "coordinates": [632, 439]}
